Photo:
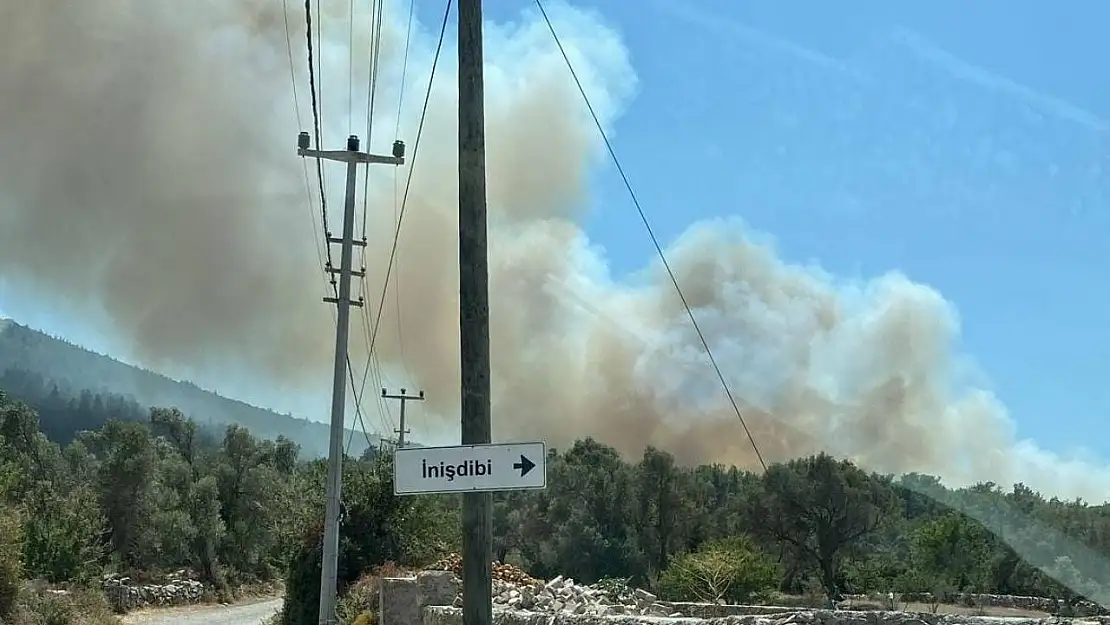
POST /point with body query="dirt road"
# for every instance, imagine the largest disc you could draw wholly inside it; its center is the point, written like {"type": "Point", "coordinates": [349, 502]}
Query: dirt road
{"type": "Point", "coordinates": [252, 613]}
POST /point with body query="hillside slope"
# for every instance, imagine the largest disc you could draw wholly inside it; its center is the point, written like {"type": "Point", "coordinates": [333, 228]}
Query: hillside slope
{"type": "Point", "coordinates": [74, 369]}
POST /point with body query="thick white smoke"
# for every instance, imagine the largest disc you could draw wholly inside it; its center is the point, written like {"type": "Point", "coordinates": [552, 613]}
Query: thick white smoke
{"type": "Point", "coordinates": [156, 178]}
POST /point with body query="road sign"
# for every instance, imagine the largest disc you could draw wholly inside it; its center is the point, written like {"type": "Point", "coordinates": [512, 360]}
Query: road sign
{"type": "Point", "coordinates": [469, 468]}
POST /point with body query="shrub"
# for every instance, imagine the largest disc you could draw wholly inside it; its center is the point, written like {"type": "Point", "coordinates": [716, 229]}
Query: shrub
{"type": "Point", "coordinates": [379, 528]}
{"type": "Point", "coordinates": [731, 570]}
{"type": "Point", "coordinates": [11, 562]}
{"type": "Point", "coordinates": [78, 607]}
{"type": "Point", "coordinates": [63, 536]}
{"type": "Point", "coordinates": [615, 588]}
{"type": "Point", "coordinates": [302, 582]}
{"type": "Point", "coordinates": [360, 605]}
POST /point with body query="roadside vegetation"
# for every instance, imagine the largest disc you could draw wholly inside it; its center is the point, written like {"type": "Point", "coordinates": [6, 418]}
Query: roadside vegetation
{"type": "Point", "coordinates": [147, 497]}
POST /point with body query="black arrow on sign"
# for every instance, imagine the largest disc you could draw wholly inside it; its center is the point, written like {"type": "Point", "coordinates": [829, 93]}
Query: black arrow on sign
{"type": "Point", "coordinates": [525, 465]}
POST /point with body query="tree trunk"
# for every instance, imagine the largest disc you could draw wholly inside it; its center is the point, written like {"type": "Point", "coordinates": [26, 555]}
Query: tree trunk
{"type": "Point", "coordinates": [828, 579]}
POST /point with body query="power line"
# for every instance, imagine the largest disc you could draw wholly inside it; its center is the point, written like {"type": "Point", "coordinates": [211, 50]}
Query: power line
{"type": "Point", "coordinates": [372, 362]}
{"type": "Point", "coordinates": [371, 92]}
{"type": "Point", "coordinates": [351, 69]}
{"type": "Point", "coordinates": [377, 8]}
{"type": "Point", "coordinates": [651, 234]}
{"type": "Point", "coordinates": [292, 65]}
{"type": "Point", "coordinates": [375, 27]}
{"type": "Point", "coordinates": [371, 100]}
{"type": "Point", "coordinates": [382, 407]}
{"type": "Point", "coordinates": [297, 114]}
{"type": "Point", "coordinates": [316, 106]}
{"type": "Point", "coordinates": [396, 203]}
{"type": "Point", "coordinates": [408, 187]}
{"type": "Point", "coordinates": [319, 172]}
{"type": "Point", "coordinates": [405, 63]}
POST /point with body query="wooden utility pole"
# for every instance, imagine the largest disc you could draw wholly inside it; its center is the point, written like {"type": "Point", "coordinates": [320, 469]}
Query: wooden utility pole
{"type": "Point", "coordinates": [333, 507]}
{"type": "Point", "coordinates": [477, 508]}
{"type": "Point", "coordinates": [402, 430]}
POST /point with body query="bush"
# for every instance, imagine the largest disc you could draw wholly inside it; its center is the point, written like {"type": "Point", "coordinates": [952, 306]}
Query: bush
{"type": "Point", "coordinates": [359, 606]}
{"type": "Point", "coordinates": [731, 570]}
{"type": "Point", "coordinates": [379, 528]}
{"type": "Point", "coordinates": [302, 582]}
{"type": "Point", "coordinates": [615, 588]}
{"type": "Point", "coordinates": [77, 607]}
{"type": "Point", "coordinates": [63, 536]}
{"type": "Point", "coordinates": [11, 562]}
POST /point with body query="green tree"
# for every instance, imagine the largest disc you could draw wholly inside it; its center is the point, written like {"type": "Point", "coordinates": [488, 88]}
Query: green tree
{"type": "Point", "coordinates": [125, 479]}
{"type": "Point", "coordinates": [11, 538]}
{"type": "Point", "coordinates": [581, 525]}
{"type": "Point", "coordinates": [62, 534]}
{"type": "Point", "coordinates": [204, 510]}
{"type": "Point", "coordinates": [952, 552]}
{"type": "Point", "coordinates": [245, 473]}
{"type": "Point", "coordinates": [664, 509]}
{"type": "Point", "coordinates": [817, 507]}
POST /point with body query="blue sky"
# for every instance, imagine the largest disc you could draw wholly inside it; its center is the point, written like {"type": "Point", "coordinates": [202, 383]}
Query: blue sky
{"type": "Point", "coordinates": [964, 144]}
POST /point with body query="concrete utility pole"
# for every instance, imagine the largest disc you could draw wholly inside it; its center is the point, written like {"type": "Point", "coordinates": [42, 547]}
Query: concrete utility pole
{"type": "Point", "coordinates": [343, 303]}
{"type": "Point", "coordinates": [404, 399]}
{"type": "Point", "coordinates": [477, 509]}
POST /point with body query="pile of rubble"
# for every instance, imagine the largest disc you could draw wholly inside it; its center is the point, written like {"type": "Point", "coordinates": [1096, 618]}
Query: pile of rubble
{"type": "Point", "coordinates": [515, 589]}
{"type": "Point", "coordinates": [505, 573]}
{"type": "Point", "coordinates": [562, 596]}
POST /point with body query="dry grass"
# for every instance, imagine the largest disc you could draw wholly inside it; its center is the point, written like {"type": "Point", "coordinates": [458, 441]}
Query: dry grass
{"type": "Point", "coordinates": [976, 611]}
{"type": "Point", "coordinates": [258, 590]}
{"type": "Point", "coordinates": [943, 608]}
{"type": "Point", "coordinates": [76, 607]}
{"type": "Point", "coordinates": [359, 604]}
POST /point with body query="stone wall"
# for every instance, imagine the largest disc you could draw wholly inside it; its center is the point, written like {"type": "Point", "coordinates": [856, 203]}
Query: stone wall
{"type": "Point", "coordinates": [177, 589]}
{"type": "Point", "coordinates": [716, 610]}
{"type": "Point", "coordinates": [1037, 604]}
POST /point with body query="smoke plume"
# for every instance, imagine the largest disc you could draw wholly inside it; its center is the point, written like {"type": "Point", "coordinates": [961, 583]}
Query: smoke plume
{"type": "Point", "coordinates": [148, 171]}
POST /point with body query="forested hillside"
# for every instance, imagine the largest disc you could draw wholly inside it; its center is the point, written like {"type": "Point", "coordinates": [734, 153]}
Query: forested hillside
{"type": "Point", "coordinates": [156, 495]}
{"type": "Point", "coordinates": [75, 389]}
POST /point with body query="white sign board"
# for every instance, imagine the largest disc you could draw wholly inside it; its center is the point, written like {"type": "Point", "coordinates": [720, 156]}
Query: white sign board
{"type": "Point", "coordinates": [469, 468]}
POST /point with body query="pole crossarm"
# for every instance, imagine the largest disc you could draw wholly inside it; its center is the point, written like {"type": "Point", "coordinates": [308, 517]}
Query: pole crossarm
{"type": "Point", "coordinates": [343, 156]}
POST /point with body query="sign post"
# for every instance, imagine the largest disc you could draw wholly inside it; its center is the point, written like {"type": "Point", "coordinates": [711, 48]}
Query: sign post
{"type": "Point", "coordinates": [470, 468]}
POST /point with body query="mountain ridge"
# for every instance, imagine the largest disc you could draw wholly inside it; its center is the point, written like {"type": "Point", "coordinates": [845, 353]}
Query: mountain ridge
{"type": "Point", "coordinates": [75, 369]}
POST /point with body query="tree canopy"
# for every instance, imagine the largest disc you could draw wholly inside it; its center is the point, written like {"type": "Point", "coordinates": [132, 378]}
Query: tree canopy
{"type": "Point", "coordinates": [164, 493]}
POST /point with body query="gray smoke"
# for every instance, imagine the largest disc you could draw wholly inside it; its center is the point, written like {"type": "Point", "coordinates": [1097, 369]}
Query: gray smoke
{"type": "Point", "coordinates": [148, 170]}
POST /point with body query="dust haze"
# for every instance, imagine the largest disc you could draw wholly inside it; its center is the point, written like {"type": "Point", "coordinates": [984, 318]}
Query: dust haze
{"type": "Point", "coordinates": [148, 171]}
